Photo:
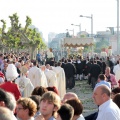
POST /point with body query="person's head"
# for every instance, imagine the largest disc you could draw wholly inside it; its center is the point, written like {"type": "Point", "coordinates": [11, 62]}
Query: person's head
{"type": "Point", "coordinates": [59, 64]}
{"type": "Point", "coordinates": [23, 70]}
{"type": "Point", "coordinates": [7, 100]}
{"type": "Point", "coordinates": [18, 65]}
{"type": "Point", "coordinates": [115, 91]}
{"type": "Point", "coordinates": [101, 77]}
{"type": "Point", "coordinates": [54, 89]}
{"type": "Point", "coordinates": [65, 112]}
{"type": "Point", "coordinates": [27, 63]}
{"type": "Point", "coordinates": [36, 98]}
{"type": "Point", "coordinates": [116, 99]}
{"type": "Point", "coordinates": [35, 63]}
{"type": "Point", "coordinates": [39, 91]}
{"type": "Point", "coordinates": [107, 70]}
{"type": "Point", "coordinates": [95, 62]}
{"type": "Point", "coordinates": [11, 72]}
{"type": "Point", "coordinates": [47, 66]}
{"type": "Point", "coordinates": [5, 114]}
{"type": "Point", "coordinates": [77, 106]}
{"type": "Point", "coordinates": [12, 101]}
{"type": "Point", "coordinates": [68, 96]}
{"type": "Point", "coordinates": [101, 94]}
{"type": "Point", "coordinates": [49, 104]}
{"type": "Point", "coordinates": [26, 108]}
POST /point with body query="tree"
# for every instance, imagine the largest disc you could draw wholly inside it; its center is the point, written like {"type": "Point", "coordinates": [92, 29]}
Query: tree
{"type": "Point", "coordinates": [101, 44]}
{"type": "Point", "coordinates": [20, 37]}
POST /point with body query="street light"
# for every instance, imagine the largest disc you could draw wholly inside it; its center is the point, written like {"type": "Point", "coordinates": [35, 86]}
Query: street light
{"type": "Point", "coordinates": [78, 26]}
{"type": "Point", "coordinates": [71, 30]}
{"type": "Point", "coordinates": [118, 27]}
{"type": "Point", "coordinates": [91, 17]}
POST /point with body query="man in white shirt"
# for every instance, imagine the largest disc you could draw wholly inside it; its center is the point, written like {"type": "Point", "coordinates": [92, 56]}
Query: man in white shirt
{"type": "Point", "coordinates": [108, 110]}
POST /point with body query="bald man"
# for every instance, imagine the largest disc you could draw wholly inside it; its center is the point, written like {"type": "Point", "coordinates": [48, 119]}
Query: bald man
{"type": "Point", "coordinates": [70, 95]}
{"type": "Point", "coordinates": [108, 110]}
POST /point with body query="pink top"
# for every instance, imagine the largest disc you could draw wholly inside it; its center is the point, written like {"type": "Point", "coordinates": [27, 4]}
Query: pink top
{"type": "Point", "coordinates": [113, 80]}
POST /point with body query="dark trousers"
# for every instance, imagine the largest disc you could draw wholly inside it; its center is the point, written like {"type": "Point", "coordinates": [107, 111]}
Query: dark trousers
{"type": "Point", "coordinates": [70, 82]}
{"type": "Point", "coordinates": [93, 82]}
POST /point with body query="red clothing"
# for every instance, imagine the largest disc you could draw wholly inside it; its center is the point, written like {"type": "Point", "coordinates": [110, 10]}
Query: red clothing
{"type": "Point", "coordinates": [9, 86]}
{"type": "Point", "coordinates": [119, 83]}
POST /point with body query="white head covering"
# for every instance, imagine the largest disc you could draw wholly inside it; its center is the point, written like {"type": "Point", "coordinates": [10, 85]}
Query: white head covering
{"type": "Point", "coordinates": [11, 72]}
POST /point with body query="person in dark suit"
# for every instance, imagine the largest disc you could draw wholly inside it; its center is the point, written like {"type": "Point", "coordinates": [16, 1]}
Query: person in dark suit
{"type": "Point", "coordinates": [63, 63]}
{"type": "Point", "coordinates": [94, 72]}
{"type": "Point", "coordinates": [70, 70]}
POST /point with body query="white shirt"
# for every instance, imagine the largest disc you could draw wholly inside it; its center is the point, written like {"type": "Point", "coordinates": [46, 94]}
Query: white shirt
{"type": "Point", "coordinates": [108, 111]}
{"type": "Point", "coordinates": [81, 117]}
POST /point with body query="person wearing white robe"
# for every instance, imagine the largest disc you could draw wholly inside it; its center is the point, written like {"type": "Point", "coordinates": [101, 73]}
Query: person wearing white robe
{"type": "Point", "coordinates": [43, 78]}
{"type": "Point", "coordinates": [25, 85]}
{"type": "Point", "coordinates": [35, 75]}
{"type": "Point", "coordinates": [61, 80]}
{"type": "Point", "coordinates": [116, 71]}
{"type": "Point", "coordinates": [51, 77]}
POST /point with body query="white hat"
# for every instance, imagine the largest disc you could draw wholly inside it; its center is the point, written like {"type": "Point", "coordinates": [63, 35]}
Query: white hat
{"type": "Point", "coordinates": [11, 72]}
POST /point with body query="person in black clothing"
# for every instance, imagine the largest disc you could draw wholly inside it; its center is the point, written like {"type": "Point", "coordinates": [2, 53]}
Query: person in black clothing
{"type": "Point", "coordinates": [94, 72]}
{"type": "Point", "coordinates": [110, 64]}
{"type": "Point", "coordinates": [70, 70]}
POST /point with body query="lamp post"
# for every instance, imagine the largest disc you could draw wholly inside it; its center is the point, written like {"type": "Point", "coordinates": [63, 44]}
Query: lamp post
{"type": "Point", "coordinates": [91, 17]}
{"type": "Point", "coordinates": [118, 27]}
{"type": "Point", "coordinates": [78, 26]}
{"type": "Point", "coordinates": [71, 30]}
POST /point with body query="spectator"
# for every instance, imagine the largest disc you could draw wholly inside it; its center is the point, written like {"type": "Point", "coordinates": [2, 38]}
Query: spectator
{"type": "Point", "coordinates": [116, 99]}
{"type": "Point", "coordinates": [49, 105]}
{"type": "Point", "coordinates": [102, 81]}
{"type": "Point", "coordinates": [5, 114]}
{"type": "Point", "coordinates": [7, 100]}
{"type": "Point", "coordinates": [26, 109]}
{"type": "Point", "coordinates": [110, 77]}
{"type": "Point", "coordinates": [108, 110]}
{"type": "Point", "coordinates": [71, 95]}
{"type": "Point", "coordinates": [65, 112]}
{"type": "Point", "coordinates": [36, 99]}
{"type": "Point", "coordinates": [115, 91]}
{"type": "Point", "coordinates": [39, 91]}
{"type": "Point", "coordinates": [78, 108]}
{"type": "Point", "coordinates": [10, 86]}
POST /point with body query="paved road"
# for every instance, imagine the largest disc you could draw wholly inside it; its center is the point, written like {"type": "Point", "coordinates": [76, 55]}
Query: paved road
{"type": "Point", "coordinates": [84, 92]}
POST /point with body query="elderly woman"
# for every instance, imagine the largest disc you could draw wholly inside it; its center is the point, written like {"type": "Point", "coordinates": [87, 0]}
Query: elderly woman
{"type": "Point", "coordinates": [24, 83]}
{"type": "Point", "coordinates": [78, 108]}
{"type": "Point", "coordinates": [26, 109]}
{"type": "Point", "coordinates": [10, 86]}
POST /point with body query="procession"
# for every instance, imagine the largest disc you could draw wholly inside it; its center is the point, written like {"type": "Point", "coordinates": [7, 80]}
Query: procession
{"type": "Point", "coordinates": [30, 79]}
{"type": "Point", "coordinates": [59, 60]}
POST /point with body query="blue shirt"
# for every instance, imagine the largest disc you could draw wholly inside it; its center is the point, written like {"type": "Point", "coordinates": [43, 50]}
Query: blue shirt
{"type": "Point", "coordinates": [103, 83]}
{"type": "Point", "coordinates": [52, 118]}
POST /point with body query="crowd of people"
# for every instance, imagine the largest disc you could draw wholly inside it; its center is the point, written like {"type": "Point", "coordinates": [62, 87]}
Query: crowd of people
{"type": "Point", "coordinates": [30, 90]}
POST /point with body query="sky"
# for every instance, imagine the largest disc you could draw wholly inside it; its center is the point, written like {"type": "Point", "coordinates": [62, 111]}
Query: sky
{"type": "Point", "coordinates": [58, 15]}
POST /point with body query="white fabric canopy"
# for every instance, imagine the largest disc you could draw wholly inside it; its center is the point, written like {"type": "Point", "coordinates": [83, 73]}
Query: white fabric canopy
{"type": "Point", "coordinates": [78, 42]}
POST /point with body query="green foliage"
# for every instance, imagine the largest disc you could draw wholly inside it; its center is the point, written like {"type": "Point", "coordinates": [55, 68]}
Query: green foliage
{"type": "Point", "coordinates": [101, 44]}
{"type": "Point", "coordinates": [17, 37]}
